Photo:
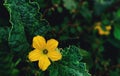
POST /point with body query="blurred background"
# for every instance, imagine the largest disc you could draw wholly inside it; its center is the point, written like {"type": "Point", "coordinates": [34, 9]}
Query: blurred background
{"type": "Point", "coordinates": [93, 25]}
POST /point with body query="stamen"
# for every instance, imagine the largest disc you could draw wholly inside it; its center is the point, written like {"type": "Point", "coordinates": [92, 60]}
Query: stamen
{"type": "Point", "coordinates": [45, 51]}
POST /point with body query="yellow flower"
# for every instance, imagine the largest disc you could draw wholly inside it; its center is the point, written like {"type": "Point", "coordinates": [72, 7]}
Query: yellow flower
{"type": "Point", "coordinates": [44, 52]}
{"type": "Point", "coordinates": [98, 24]}
{"type": "Point", "coordinates": [101, 31]}
{"type": "Point", "coordinates": [108, 27]}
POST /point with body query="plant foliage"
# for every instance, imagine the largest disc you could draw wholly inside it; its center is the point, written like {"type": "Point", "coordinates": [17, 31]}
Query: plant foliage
{"type": "Point", "coordinates": [86, 51]}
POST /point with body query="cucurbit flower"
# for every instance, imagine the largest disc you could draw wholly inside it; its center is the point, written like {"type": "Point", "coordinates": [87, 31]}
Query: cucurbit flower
{"type": "Point", "coordinates": [44, 52]}
{"type": "Point", "coordinates": [101, 31]}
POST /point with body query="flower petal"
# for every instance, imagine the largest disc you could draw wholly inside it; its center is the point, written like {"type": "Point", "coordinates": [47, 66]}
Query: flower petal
{"type": "Point", "coordinates": [34, 55]}
{"type": "Point", "coordinates": [39, 42]}
{"type": "Point", "coordinates": [101, 32]}
{"type": "Point", "coordinates": [97, 27]}
{"type": "Point", "coordinates": [107, 32]}
{"type": "Point", "coordinates": [51, 44]}
{"type": "Point", "coordinates": [54, 55]}
{"type": "Point", "coordinates": [44, 62]}
{"type": "Point", "coordinates": [108, 27]}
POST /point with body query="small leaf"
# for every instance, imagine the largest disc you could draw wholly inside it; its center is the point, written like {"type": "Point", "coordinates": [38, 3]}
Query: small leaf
{"type": "Point", "coordinates": [117, 32]}
{"type": "Point", "coordinates": [70, 4]}
{"type": "Point", "coordinates": [56, 1]}
{"type": "Point", "coordinates": [60, 9]}
{"type": "Point", "coordinates": [118, 13]}
{"type": "Point", "coordinates": [85, 12]}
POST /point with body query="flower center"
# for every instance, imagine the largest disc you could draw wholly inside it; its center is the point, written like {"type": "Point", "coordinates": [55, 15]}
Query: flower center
{"type": "Point", "coordinates": [45, 51]}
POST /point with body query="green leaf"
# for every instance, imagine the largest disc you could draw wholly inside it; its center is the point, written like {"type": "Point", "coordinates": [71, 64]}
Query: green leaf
{"type": "Point", "coordinates": [4, 31]}
{"type": "Point", "coordinates": [56, 1]}
{"type": "Point", "coordinates": [70, 64]}
{"type": "Point", "coordinates": [5, 54]}
{"type": "Point", "coordinates": [117, 16]}
{"type": "Point", "coordinates": [118, 13]}
{"type": "Point", "coordinates": [60, 9]}
{"type": "Point", "coordinates": [101, 5]}
{"type": "Point", "coordinates": [115, 72]}
{"type": "Point", "coordinates": [54, 70]}
{"type": "Point", "coordinates": [26, 22]}
{"type": "Point", "coordinates": [40, 2]}
{"type": "Point", "coordinates": [85, 12]}
{"type": "Point", "coordinates": [117, 32]}
{"type": "Point", "coordinates": [70, 4]}
{"type": "Point", "coordinates": [15, 72]}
